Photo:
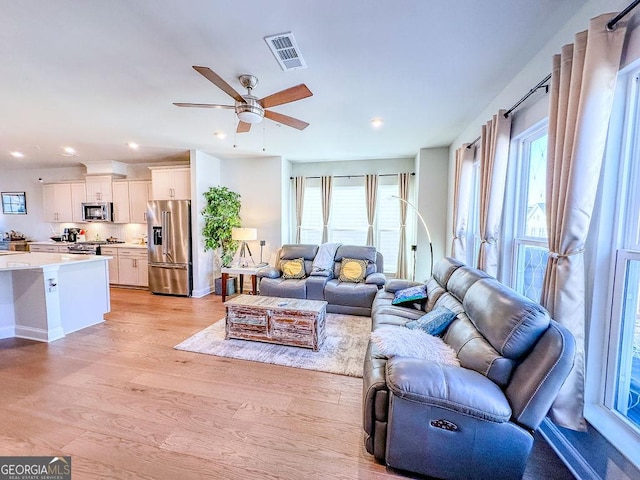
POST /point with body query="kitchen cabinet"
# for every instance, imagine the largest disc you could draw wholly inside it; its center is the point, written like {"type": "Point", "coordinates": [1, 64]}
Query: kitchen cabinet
{"type": "Point", "coordinates": [78, 196]}
{"type": "Point", "coordinates": [39, 247]}
{"type": "Point", "coordinates": [121, 202]}
{"type": "Point", "coordinates": [132, 267]}
{"type": "Point", "coordinates": [99, 188]}
{"type": "Point", "coordinates": [113, 263]}
{"type": "Point", "coordinates": [171, 183]}
{"type": "Point", "coordinates": [57, 202]}
{"type": "Point", "coordinates": [139, 195]}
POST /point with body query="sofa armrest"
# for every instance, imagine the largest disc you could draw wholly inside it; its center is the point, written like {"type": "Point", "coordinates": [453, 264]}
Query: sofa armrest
{"type": "Point", "coordinates": [396, 284]}
{"type": "Point", "coordinates": [268, 272]}
{"type": "Point", "coordinates": [376, 279]}
{"type": "Point", "coordinates": [449, 387]}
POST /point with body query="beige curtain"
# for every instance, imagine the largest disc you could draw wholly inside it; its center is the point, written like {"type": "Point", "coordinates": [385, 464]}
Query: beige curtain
{"type": "Point", "coordinates": [371, 192]}
{"type": "Point", "coordinates": [461, 198]}
{"type": "Point", "coordinates": [494, 156]}
{"type": "Point", "coordinates": [582, 86]}
{"type": "Point", "coordinates": [403, 189]}
{"type": "Point", "coordinates": [326, 183]}
{"type": "Point", "coordinates": [299, 185]}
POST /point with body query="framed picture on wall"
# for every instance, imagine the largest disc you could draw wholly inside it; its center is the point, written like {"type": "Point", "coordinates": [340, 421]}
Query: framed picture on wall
{"type": "Point", "coordinates": [14, 203]}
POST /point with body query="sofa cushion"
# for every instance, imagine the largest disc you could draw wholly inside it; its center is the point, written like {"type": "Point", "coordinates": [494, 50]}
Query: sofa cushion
{"type": "Point", "coordinates": [392, 341]}
{"type": "Point", "coordinates": [509, 321]}
{"type": "Point", "coordinates": [452, 388]}
{"type": "Point", "coordinates": [293, 268]}
{"type": "Point", "coordinates": [444, 268]}
{"type": "Point", "coordinates": [434, 322]}
{"type": "Point", "coordinates": [410, 295]}
{"type": "Point", "coordinates": [352, 270]}
{"type": "Point", "coordinates": [461, 280]}
{"type": "Point", "coordinates": [347, 293]}
{"type": "Point", "coordinates": [279, 287]}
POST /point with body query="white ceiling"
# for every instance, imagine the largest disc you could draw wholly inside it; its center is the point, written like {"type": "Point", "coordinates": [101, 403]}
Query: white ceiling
{"type": "Point", "coordinates": [97, 74]}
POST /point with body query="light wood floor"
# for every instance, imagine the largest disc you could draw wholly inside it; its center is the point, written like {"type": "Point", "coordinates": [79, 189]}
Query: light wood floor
{"type": "Point", "coordinates": [124, 404]}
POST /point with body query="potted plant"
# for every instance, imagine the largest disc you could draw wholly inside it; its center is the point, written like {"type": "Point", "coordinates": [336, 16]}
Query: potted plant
{"type": "Point", "coordinates": [221, 214]}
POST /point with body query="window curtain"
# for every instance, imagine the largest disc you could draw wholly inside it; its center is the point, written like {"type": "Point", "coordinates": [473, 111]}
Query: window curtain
{"type": "Point", "coordinates": [403, 189]}
{"type": "Point", "coordinates": [582, 87]}
{"type": "Point", "coordinates": [461, 199]}
{"type": "Point", "coordinates": [371, 192]}
{"type": "Point", "coordinates": [299, 186]}
{"type": "Point", "coordinates": [326, 183]}
{"type": "Point", "coordinates": [494, 156]}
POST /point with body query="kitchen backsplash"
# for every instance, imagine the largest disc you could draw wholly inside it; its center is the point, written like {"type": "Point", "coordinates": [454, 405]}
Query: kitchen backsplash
{"type": "Point", "coordinates": [129, 232]}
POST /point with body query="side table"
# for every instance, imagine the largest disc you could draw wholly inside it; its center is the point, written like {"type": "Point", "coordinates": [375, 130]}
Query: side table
{"type": "Point", "coordinates": [241, 272]}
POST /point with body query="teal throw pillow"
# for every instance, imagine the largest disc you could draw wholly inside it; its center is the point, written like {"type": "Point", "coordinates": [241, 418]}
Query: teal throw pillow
{"type": "Point", "coordinates": [435, 322]}
{"type": "Point", "coordinates": [410, 295]}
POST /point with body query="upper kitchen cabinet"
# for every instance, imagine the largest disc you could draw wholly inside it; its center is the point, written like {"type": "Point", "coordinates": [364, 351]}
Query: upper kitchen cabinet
{"type": "Point", "coordinates": [99, 188]}
{"type": "Point", "coordinates": [139, 195]}
{"type": "Point", "coordinates": [78, 196]}
{"type": "Point", "coordinates": [172, 183]}
{"type": "Point", "coordinates": [58, 206]}
{"type": "Point", "coordinates": [121, 201]}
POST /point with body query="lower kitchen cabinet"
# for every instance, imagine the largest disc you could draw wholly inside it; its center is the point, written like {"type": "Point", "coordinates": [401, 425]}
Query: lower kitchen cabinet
{"type": "Point", "coordinates": [113, 263]}
{"type": "Point", "coordinates": [133, 267]}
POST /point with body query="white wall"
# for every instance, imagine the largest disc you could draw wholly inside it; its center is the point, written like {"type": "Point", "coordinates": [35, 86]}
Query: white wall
{"type": "Point", "coordinates": [431, 182]}
{"type": "Point", "coordinates": [259, 181]}
{"type": "Point", "coordinates": [205, 173]}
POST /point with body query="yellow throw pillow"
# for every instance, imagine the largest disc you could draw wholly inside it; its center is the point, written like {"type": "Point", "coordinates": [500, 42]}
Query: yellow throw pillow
{"type": "Point", "coordinates": [353, 270]}
{"type": "Point", "coordinates": [293, 268]}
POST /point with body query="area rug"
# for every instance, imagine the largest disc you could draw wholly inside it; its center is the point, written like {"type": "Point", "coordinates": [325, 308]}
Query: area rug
{"type": "Point", "coordinates": [342, 351]}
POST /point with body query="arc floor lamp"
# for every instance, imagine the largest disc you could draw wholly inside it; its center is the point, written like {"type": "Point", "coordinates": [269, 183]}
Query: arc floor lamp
{"type": "Point", "coordinates": [426, 229]}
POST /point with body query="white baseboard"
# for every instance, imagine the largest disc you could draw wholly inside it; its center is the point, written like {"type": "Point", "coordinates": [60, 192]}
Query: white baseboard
{"type": "Point", "coordinates": [39, 334]}
{"type": "Point", "coordinates": [574, 461]}
{"type": "Point", "coordinates": [203, 292]}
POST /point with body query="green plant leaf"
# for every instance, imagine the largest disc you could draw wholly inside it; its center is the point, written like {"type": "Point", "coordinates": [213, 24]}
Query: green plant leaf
{"type": "Point", "coordinates": [221, 213]}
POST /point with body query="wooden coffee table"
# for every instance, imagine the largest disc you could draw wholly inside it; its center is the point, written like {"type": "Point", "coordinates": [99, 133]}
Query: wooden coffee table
{"type": "Point", "coordinates": [285, 321]}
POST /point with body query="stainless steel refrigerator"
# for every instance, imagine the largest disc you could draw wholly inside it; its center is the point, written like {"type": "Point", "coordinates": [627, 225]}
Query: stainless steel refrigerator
{"type": "Point", "coordinates": [169, 245]}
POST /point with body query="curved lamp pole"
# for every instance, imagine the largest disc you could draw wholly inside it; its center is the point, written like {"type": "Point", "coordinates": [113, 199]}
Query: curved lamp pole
{"type": "Point", "coordinates": [424, 224]}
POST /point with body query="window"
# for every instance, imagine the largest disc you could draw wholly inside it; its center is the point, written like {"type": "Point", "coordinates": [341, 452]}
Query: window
{"type": "Point", "coordinates": [622, 391]}
{"type": "Point", "coordinates": [530, 246]}
{"type": "Point", "coordinates": [348, 216]}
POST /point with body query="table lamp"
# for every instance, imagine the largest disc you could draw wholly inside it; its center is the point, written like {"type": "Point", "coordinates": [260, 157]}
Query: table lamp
{"type": "Point", "coordinates": [243, 235]}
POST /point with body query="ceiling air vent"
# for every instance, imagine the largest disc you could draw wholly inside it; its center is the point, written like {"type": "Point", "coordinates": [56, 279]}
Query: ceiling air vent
{"type": "Point", "coordinates": [286, 51]}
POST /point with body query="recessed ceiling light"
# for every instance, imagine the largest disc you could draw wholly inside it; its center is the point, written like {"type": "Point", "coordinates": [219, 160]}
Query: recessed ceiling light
{"type": "Point", "coordinates": [16, 154]}
{"type": "Point", "coordinates": [133, 145]}
{"type": "Point", "coordinates": [377, 122]}
{"type": "Point", "coordinates": [68, 151]}
{"type": "Point", "coordinates": [220, 135]}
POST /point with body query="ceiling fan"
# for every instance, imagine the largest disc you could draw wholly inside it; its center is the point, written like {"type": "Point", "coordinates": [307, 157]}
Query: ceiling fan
{"type": "Point", "coordinates": [250, 109]}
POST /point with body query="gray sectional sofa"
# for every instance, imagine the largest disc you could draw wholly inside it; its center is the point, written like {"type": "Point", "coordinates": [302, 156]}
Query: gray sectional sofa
{"type": "Point", "coordinates": [325, 284]}
{"type": "Point", "coordinates": [470, 421]}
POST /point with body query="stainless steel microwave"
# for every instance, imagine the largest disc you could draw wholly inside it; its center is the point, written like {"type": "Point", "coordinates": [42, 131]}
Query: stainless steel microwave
{"type": "Point", "coordinates": [97, 212]}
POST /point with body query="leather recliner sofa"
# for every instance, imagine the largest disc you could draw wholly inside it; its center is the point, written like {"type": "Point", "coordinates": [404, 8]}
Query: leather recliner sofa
{"type": "Point", "coordinates": [341, 297]}
{"type": "Point", "coordinates": [476, 420]}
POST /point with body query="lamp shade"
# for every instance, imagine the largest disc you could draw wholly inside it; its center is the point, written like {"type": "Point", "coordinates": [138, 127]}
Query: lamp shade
{"type": "Point", "coordinates": [244, 234]}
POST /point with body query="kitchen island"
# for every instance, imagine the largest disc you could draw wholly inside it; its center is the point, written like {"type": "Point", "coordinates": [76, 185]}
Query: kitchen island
{"type": "Point", "coordinates": [45, 296]}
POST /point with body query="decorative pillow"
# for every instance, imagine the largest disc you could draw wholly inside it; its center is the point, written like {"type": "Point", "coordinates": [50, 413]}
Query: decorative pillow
{"type": "Point", "coordinates": [434, 322]}
{"type": "Point", "coordinates": [395, 341]}
{"type": "Point", "coordinates": [293, 268]}
{"type": "Point", "coordinates": [410, 295]}
{"type": "Point", "coordinates": [352, 270]}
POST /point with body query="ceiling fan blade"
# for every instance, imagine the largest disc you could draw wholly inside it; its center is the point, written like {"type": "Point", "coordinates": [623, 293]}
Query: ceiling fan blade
{"type": "Point", "coordinates": [286, 96]}
{"type": "Point", "coordinates": [219, 82]}
{"type": "Point", "coordinates": [243, 127]}
{"type": "Point", "coordinates": [286, 120]}
{"type": "Point", "coordinates": [202, 105]}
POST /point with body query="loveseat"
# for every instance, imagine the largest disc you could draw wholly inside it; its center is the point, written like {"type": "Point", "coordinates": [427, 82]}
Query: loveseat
{"type": "Point", "coordinates": [322, 281]}
{"type": "Point", "coordinates": [470, 421]}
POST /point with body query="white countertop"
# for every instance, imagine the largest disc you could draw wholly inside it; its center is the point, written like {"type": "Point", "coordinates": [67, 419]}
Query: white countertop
{"type": "Point", "coordinates": [22, 260]}
{"type": "Point", "coordinates": [116, 245]}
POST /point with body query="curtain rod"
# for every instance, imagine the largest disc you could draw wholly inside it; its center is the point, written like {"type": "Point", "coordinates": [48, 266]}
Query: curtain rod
{"type": "Point", "coordinates": [612, 24]}
{"type": "Point", "coordinates": [539, 85]}
{"type": "Point", "coordinates": [357, 176]}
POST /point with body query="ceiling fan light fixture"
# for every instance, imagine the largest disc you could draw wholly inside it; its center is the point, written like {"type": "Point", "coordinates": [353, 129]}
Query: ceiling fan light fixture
{"type": "Point", "coordinates": [377, 122]}
{"type": "Point", "coordinates": [251, 111]}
